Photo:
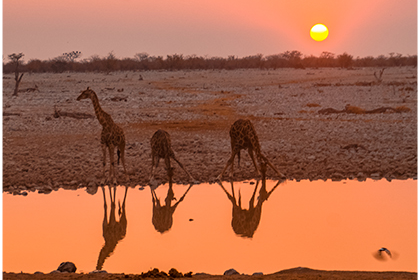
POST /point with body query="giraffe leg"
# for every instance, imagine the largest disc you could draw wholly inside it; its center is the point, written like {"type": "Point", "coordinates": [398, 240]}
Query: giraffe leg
{"type": "Point", "coordinates": [110, 194]}
{"type": "Point", "coordinates": [154, 166]}
{"type": "Point", "coordinates": [112, 178]}
{"type": "Point", "coordinates": [180, 164]}
{"type": "Point", "coordinates": [229, 162]}
{"type": "Point", "coordinates": [233, 190]}
{"type": "Point", "coordinates": [272, 166]}
{"type": "Point", "coordinates": [104, 163]}
{"type": "Point", "coordinates": [251, 154]}
{"type": "Point", "coordinates": [168, 163]}
{"type": "Point", "coordinates": [231, 167]}
{"type": "Point", "coordinates": [251, 201]}
{"type": "Point", "coordinates": [105, 221]}
{"type": "Point", "coordinates": [122, 151]}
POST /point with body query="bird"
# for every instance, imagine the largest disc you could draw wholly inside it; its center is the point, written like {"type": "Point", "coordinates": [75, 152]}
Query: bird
{"type": "Point", "coordinates": [383, 249]}
{"type": "Point", "coordinates": [379, 256]}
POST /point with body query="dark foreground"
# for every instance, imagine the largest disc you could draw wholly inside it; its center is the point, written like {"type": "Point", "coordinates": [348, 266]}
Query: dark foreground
{"type": "Point", "coordinates": [295, 273]}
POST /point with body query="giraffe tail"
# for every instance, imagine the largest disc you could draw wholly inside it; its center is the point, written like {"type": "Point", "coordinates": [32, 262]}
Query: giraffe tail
{"type": "Point", "coordinates": [118, 154]}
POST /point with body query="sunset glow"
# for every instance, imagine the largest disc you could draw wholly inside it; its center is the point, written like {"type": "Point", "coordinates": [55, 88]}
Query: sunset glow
{"type": "Point", "coordinates": [216, 28]}
{"type": "Point", "coordinates": [319, 32]}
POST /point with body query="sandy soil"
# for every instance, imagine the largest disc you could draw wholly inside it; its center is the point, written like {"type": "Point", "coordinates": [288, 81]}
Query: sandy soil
{"type": "Point", "coordinates": [296, 273]}
{"type": "Point", "coordinates": [45, 151]}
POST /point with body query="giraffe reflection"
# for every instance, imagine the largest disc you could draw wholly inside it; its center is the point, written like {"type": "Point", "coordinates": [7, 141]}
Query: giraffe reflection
{"type": "Point", "coordinates": [162, 214]}
{"type": "Point", "coordinates": [113, 231]}
{"type": "Point", "coordinates": [245, 221]}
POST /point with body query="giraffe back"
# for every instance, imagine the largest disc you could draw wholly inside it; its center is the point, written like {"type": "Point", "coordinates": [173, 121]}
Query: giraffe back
{"type": "Point", "coordinates": [113, 134]}
{"type": "Point", "coordinates": [161, 144]}
{"type": "Point", "coordinates": [162, 217]}
{"type": "Point", "coordinates": [243, 136]}
{"type": "Point", "coordinates": [245, 221]}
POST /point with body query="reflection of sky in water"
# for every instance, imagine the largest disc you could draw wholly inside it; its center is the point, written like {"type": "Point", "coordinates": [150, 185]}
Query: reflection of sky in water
{"type": "Point", "coordinates": [321, 225]}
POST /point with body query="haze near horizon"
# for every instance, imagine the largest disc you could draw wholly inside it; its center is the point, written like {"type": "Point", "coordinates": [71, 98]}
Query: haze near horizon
{"type": "Point", "coordinates": [46, 29]}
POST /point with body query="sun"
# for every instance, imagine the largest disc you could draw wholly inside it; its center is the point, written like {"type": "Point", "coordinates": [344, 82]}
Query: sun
{"type": "Point", "coordinates": [319, 32]}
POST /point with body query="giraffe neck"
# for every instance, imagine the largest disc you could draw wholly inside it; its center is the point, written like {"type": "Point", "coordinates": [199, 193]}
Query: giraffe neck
{"type": "Point", "coordinates": [256, 145]}
{"type": "Point", "coordinates": [98, 110]}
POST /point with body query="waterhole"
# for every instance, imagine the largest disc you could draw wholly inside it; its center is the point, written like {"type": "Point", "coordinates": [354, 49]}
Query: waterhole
{"type": "Point", "coordinates": [248, 226]}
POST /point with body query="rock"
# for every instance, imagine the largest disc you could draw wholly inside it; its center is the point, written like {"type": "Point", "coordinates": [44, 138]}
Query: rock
{"type": "Point", "coordinates": [257, 274]}
{"type": "Point", "coordinates": [231, 272]}
{"type": "Point", "coordinates": [155, 273]}
{"type": "Point", "coordinates": [91, 189]}
{"type": "Point", "coordinates": [360, 176]}
{"type": "Point", "coordinates": [337, 177]}
{"type": "Point", "coordinates": [188, 274]}
{"type": "Point", "coordinates": [175, 274]}
{"type": "Point", "coordinates": [375, 176]}
{"type": "Point", "coordinates": [67, 267]}
{"type": "Point", "coordinates": [45, 190]}
{"type": "Point", "coordinates": [98, 271]}
{"type": "Point", "coordinates": [91, 185]}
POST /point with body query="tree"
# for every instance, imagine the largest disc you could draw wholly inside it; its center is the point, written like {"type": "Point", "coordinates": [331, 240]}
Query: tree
{"type": "Point", "coordinates": [141, 56]}
{"type": "Point", "coordinates": [326, 59]}
{"type": "Point", "coordinates": [71, 56]}
{"type": "Point", "coordinates": [15, 59]}
{"type": "Point", "coordinates": [111, 62]}
{"type": "Point", "coordinates": [345, 60]}
{"type": "Point", "coordinates": [294, 58]}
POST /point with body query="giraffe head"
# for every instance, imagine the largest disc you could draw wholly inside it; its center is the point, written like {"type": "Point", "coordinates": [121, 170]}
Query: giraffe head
{"type": "Point", "coordinates": [87, 93]}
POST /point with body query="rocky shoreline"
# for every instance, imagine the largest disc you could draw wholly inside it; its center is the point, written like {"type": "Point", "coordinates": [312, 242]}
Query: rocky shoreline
{"type": "Point", "coordinates": [314, 124]}
{"type": "Point", "coordinates": [294, 273]}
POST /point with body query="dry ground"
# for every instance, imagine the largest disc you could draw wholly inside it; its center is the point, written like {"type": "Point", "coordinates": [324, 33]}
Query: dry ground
{"type": "Point", "coordinates": [46, 151]}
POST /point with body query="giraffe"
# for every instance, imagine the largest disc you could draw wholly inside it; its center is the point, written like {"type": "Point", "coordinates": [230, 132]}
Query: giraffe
{"type": "Point", "coordinates": [161, 148]}
{"type": "Point", "coordinates": [162, 218]}
{"type": "Point", "coordinates": [245, 221]}
{"type": "Point", "coordinates": [112, 230]}
{"type": "Point", "coordinates": [112, 136]}
{"type": "Point", "coordinates": [243, 136]}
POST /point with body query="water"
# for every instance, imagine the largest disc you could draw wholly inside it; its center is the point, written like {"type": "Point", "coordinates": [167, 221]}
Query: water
{"type": "Point", "coordinates": [321, 225]}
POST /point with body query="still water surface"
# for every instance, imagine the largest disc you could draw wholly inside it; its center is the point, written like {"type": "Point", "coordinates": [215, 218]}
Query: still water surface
{"type": "Point", "coordinates": [203, 228]}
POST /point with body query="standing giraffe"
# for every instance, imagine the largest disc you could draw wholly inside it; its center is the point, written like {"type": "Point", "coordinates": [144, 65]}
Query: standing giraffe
{"type": "Point", "coordinates": [112, 136]}
{"type": "Point", "coordinates": [243, 136]}
{"type": "Point", "coordinates": [161, 148]}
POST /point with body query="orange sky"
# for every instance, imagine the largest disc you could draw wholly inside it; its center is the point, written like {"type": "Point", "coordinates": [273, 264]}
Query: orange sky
{"type": "Point", "coordinates": [45, 29]}
{"type": "Point", "coordinates": [321, 225]}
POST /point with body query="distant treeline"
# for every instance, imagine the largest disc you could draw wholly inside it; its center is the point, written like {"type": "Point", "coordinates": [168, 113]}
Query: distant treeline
{"type": "Point", "coordinates": [144, 62]}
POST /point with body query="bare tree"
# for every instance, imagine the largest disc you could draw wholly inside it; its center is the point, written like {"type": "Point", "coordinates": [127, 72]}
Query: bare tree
{"type": "Point", "coordinates": [71, 56]}
{"type": "Point", "coordinates": [15, 59]}
{"type": "Point", "coordinates": [142, 56]}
